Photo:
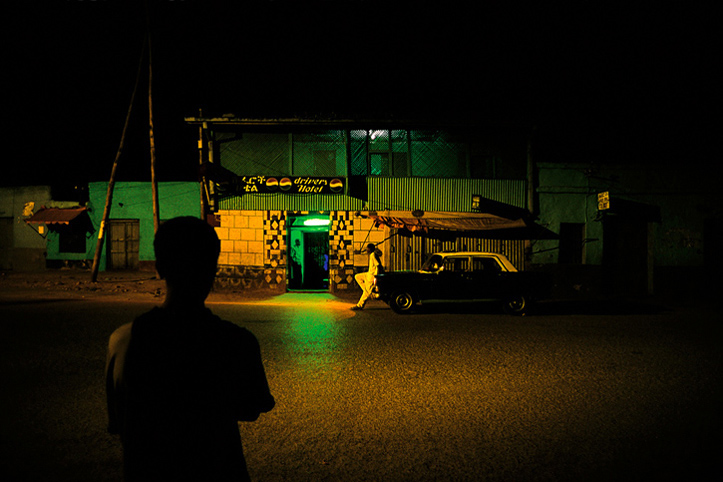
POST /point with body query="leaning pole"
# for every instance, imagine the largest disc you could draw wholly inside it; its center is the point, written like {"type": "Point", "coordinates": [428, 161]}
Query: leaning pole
{"type": "Point", "coordinates": [111, 182]}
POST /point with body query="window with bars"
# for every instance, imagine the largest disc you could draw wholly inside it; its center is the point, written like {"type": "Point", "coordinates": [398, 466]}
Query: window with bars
{"type": "Point", "coordinates": [382, 152]}
{"type": "Point", "coordinates": [318, 153]}
{"type": "Point", "coordinates": [251, 153]}
{"type": "Point", "coordinates": [71, 240]}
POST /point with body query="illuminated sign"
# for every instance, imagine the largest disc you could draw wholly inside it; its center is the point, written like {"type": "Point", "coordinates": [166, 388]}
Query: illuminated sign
{"type": "Point", "coordinates": [603, 201]}
{"type": "Point", "coordinates": [291, 185]}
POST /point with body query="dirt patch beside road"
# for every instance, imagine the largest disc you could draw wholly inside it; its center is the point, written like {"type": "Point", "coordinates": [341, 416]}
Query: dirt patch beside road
{"type": "Point", "coordinates": [79, 282]}
{"type": "Point", "coordinates": [131, 285]}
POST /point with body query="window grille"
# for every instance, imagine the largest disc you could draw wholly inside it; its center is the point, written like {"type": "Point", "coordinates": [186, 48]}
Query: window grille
{"type": "Point", "coordinates": [320, 153]}
{"type": "Point", "coordinates": [435, 154]}
{"type": "Point", "coordinates": [249, 154]}
{"type": "Point", "coordinates": [358, 151]}
{"type": "Point", "coordinates": [396, 153]}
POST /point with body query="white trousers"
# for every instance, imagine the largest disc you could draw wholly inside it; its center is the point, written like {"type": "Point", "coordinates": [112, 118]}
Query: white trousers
{"type": "Point", "coordinates": [366, 283]}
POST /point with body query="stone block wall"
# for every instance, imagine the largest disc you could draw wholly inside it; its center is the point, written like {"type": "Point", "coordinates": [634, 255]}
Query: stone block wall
{"type": "Point", "coordinates": [252, 250]}
{"type": "Point", "coordinates": [242, 238]}
{"type": "Point", "coordinates": [365, 233]}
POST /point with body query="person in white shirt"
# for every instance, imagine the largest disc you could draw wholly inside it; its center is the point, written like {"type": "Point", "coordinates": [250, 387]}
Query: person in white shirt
{"type": "Point", "coordinates": [366, 279]}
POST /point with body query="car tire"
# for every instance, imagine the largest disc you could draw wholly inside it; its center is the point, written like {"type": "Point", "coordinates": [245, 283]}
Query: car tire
{"type": "Point", "coordinates": [402, 302]}
{"type": "Point", "coordinates": [516, 305]}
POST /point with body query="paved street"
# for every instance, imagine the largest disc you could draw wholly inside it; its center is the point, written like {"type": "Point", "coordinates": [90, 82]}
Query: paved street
{"type": "Point", "coordinates": [603, 391]}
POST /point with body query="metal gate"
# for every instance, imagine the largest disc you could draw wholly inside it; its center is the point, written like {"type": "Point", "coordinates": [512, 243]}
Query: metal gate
{"type": "Point", "coordinates": [123, 243]}
{"type": "Point", "coordinates": [409, 253]}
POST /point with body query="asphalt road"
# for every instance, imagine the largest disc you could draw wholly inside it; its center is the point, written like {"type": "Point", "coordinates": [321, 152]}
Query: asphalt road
{"type": "Point", "coordinates": [604, 391]}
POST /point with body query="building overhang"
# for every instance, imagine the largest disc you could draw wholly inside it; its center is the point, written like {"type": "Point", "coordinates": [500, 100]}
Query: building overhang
{"type": "Point", "coordinates": [57, 216]}
{"type": "Point", "coordinates": [344, 123]}
{"type": "Point", "coordinates": [452, 224]}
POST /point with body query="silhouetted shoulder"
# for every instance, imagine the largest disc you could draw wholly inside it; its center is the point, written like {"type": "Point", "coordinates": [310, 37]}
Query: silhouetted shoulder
{"type": "Point", "coordinates": [163, 327]}
{"type": "Point", "coordinates": [120, 338]}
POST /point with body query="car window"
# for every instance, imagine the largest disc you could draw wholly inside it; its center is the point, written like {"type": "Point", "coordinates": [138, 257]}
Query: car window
{"type": "Point", "coordinates": [433, 264]}
{"type": "Point", "coordinates": [486, 265]}
{"type": "Point", "coordinates": [455, 264]}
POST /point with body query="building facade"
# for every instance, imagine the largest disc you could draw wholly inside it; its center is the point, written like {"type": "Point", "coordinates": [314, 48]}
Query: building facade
{"type": "Point", "coordinates": [22, 248]}
{"type": "Point", "coordinates": [68, 231]}
{"type": "Point", "coordinates": [130, 232]}
{"type": "Point", "coordinates": [628, 228]}
{"type": "Point", "coordinates": [295, 201]}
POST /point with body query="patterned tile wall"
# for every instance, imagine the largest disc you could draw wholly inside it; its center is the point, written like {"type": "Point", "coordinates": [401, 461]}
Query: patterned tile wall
{"type": "Point", "coordinates": [275, 249]}
{"type": "Point", "coordinates": [341, 251]}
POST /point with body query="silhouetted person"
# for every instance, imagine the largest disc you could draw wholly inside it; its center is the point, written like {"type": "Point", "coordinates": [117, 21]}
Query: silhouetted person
{"type": "Point", "coordinates": [296, 255]}
{"type": "Point", "coordinates": [178, 378]}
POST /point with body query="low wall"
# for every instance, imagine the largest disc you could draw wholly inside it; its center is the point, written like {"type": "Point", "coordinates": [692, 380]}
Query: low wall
{"type": "Point", "coordinates": [250, 277]}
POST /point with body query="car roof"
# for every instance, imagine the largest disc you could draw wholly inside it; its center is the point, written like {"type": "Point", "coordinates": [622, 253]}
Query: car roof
{"type": "Point", "coordinates": [501, 257]}
{"type": "Point", "coordinates": [467, 253]}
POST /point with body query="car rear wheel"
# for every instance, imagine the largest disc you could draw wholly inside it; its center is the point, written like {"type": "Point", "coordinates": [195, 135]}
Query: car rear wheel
{"type": "Point", "coordinates": [401, 302]}
{"type": "Point", "coordinates": [516, 305]}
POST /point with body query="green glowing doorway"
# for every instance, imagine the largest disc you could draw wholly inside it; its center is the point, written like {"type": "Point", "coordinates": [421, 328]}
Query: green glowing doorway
{"type": "Point", "coordinates": [308, 249]}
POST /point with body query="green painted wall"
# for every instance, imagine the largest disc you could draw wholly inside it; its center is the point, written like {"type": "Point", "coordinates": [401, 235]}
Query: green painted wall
{"type": "Point", "coordinates": [133, 200]}
{"type": "Point", "coordinates": [567, 193]}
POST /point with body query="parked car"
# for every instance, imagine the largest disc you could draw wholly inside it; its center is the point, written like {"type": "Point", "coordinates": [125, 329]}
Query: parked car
{"type": "Point", "coordinates": [468, 276]}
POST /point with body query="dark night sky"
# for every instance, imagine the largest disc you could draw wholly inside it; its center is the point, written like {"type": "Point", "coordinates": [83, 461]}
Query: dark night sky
{"type": "Point", "coordinates": [601, 83]}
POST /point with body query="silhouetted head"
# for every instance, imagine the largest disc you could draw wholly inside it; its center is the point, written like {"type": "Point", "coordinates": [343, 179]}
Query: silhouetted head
{"type": "Point", "coordinates": [371, 248]}
{"type": "Point", "coordinates": [187, 250]}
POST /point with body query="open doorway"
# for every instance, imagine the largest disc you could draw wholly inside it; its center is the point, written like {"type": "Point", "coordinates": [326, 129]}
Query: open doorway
{"type": "Point", "coordinates": [308, 249]}
{"type": "Point", "coordinates": [627, 256]}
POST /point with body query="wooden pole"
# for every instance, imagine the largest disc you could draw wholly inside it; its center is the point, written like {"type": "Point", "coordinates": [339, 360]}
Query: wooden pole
{"type": "Point", "coordinates": [531, 204]}
{"type": "Point", "coordinates": [154, 181]}
{"type": "Point", "coordinates": [209, 182]}
{"type": "Point", "coordinates": [202, 174]}
{"type": "Point", "coordinates": [111, 182]}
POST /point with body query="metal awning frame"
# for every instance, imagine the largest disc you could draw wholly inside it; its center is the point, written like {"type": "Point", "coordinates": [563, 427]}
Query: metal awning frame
{"type": "Point", "coordinates": [451, 224]}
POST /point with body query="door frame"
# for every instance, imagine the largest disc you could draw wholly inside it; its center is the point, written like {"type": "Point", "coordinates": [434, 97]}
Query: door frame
{"type": "Point", "coordinates": [129, 244]}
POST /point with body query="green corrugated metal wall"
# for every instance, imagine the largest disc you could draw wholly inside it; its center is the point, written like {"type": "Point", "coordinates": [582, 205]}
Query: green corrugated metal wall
{"type": "Point", "coordinates": [291, 202]}
{"type": "Point", "coordinates": [431, 194]}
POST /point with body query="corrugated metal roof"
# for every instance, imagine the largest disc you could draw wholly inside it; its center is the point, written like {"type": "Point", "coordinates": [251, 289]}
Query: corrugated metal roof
{"type": "Point", "coordinates": [55, 215]}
